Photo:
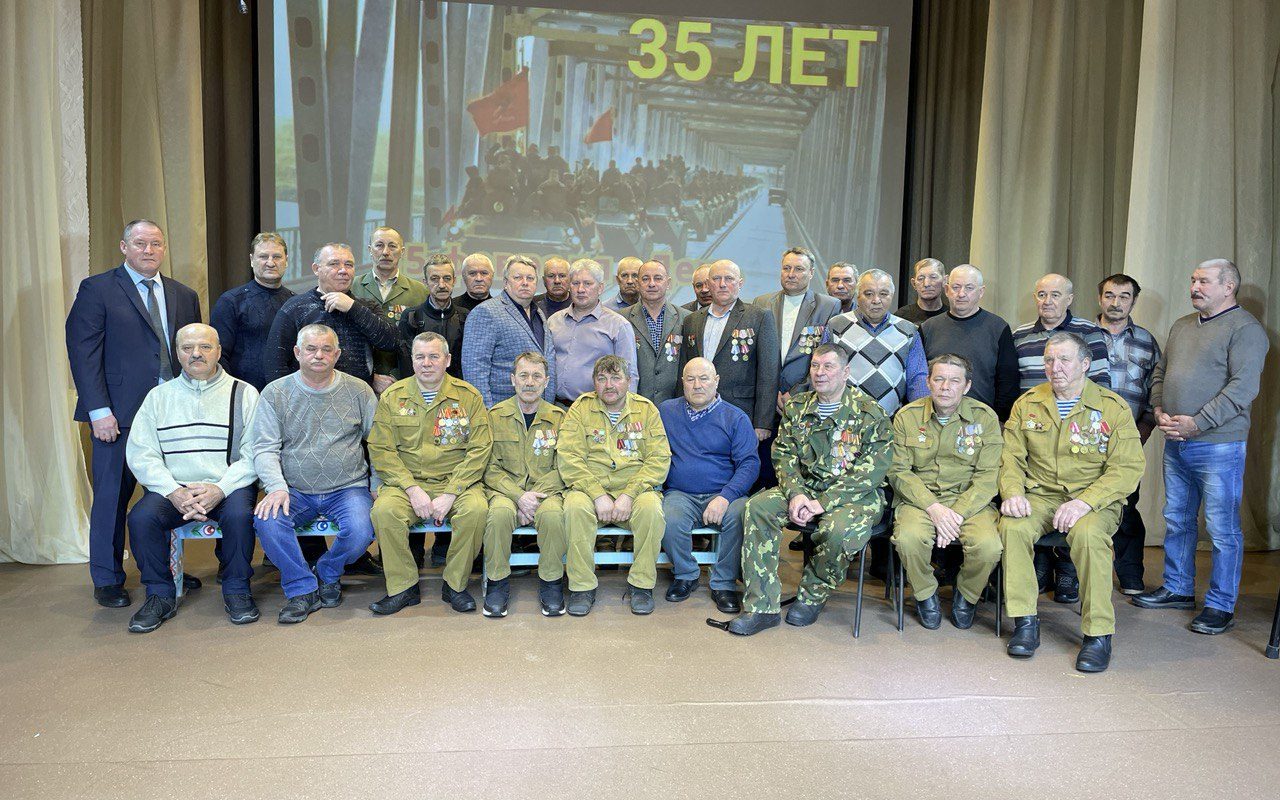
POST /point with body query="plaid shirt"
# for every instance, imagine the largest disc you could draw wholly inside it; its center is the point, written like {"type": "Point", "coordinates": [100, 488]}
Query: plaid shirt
{"type": "Point", "coordinates": [1132, 355]}
{"type": "Point", "coordinates": [655, 327]}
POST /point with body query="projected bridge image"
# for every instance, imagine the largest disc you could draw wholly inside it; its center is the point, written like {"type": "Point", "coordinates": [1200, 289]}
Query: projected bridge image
{"type": "Point", "coordinates": [548, 132]}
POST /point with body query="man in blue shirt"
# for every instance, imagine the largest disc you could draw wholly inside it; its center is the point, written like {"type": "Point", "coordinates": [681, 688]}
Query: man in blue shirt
{"type": "Point", "coordinates": [714, 462]}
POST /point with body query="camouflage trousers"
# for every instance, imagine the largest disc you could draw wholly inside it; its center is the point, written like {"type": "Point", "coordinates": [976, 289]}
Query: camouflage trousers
{"type": "Point", "coordinates": [841, 532]}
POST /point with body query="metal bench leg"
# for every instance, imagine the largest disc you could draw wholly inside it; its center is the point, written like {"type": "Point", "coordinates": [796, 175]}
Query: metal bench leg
{"type": "Point", "coordinates": [1273, 645]}
{"type": "Point", "coordinates": [999, 597]}
{"type": "Point", "coordinates": [902, 592]}
{"type": "Point", "coordinates": [857, 606]}
{"type": "Point", "coordinates": [175, 561]}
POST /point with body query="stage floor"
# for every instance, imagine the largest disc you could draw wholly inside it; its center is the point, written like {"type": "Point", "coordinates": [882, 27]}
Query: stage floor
{"type": "Point", "coordinates": [430, 703]}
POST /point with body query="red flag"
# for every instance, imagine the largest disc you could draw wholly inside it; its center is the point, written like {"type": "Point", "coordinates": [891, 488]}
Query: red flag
{"type": "Point", "coordinates": [601, 129]}
{"type": "Point", "coordinates": [505, 108]}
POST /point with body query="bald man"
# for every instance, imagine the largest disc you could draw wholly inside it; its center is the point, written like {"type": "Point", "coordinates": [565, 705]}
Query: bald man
{"type": "Point", "coordinates": [628, 278]}
{"type": "Point", "coordinates": [714, 462]}
{"type": "Point", "coordinates": [1053, 295]}
{"type": "Point", "coordinates": [189, 451]}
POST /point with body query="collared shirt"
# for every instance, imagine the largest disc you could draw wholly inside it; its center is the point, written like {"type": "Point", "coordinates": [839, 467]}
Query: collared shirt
{"type": "Point", "coordinates": [1132, 355]}
{"type": "Point", "coordinates": [385, 286]}
{"type": "Point", "coordinates": [144, 292]}
{"type": "Point", "coordinates": [694, 416]}
{"type": "Point", "coordinates": [713, 330]}
{"type": "Point", "coordinates": [618, 304]}
{"type": "Point", "coordinates": [654, 325]}
{"type": "Point", "coordinates": [790, 312]}
{"type": "Point", "coordinates": [581, 341]}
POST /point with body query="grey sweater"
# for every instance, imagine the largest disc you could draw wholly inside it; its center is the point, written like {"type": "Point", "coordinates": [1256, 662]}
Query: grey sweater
{"type": "Point", "coordinates": [1210, 371]}
{"type": "Point", "coordinates": [312, 440]}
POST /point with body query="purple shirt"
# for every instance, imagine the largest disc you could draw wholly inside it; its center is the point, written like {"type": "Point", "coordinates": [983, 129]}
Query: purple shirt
{"type": "Point", "coordinates": [581, 341]}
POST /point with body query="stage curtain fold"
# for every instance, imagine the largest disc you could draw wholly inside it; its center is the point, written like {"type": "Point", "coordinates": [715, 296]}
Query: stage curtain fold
{"type": "Point", "coordinates": [44, 253]}
{"type": "Point", "coordinates": [1054, 147]}
{"type": "Point", "coordinates": [1204, 185]}
{"type": "Point", "coordinates": [145, 131]}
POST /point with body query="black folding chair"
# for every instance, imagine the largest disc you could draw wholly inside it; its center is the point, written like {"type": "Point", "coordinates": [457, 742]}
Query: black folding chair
{"type": "Point", "coordinates": [1273, 646]}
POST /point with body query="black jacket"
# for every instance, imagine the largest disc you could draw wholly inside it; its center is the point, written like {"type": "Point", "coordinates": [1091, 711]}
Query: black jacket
{"type": "Point", "coordinates": [426, 317]}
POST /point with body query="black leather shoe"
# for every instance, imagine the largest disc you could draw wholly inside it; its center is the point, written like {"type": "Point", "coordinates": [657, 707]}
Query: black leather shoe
{"type": "Point", "coordinates": [240, 608]}
{"type": "Point", "coordinates": [1132, 587]}
{"type": "Point", "coordinates": [1026, 637]}
{"type": "Point", "coordinates": [397, 602]}
{"type": "Point", "coordinates": [111, 596]}
{"type": "Point", "coordinates": [1213, 621]}
{"type": "Point", "coordinates": [364, 565]}
{"type": "Point", "coordinates": [1067, 587]}
{"type": "Point", "coordinates": [190, 582]}
{"type": "Point", "coordinates": [753, 623]}
{"type": "Point", "coordinates": [1095, 654]}
{"type": "Point", "coordinates": [153, 614]}
{"type": "Point", "coordinates": [641, 601]}
{"type": "Point", "coordinates": [1163, 598]}
{"type": "Point", "coordinates": [727, 601]}
{"type": "Point", "coordinates": [497, 598]}
{"type": "Point", "coordinates": [962, 612]}
{"type": "Point", "coordinates": [680, 590]}
{"type": "Point", "coordinates": [930, 612]}
{"type": "Point", "coordinates": [580, 603]}
{"type": "Point", "coordinates": [296, 609]}
{"type": "Point", "coordinates": [551, 598]}
{"type": "Point", "coordinates": [802, 614]}
{"type": "Point", "coordinates": [459, 601]}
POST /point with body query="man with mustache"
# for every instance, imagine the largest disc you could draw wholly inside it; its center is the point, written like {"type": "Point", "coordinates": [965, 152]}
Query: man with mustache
{"type": "Point", "coordinates": [1202, 391]}
{"type": "Point", "coordinates": [120, 344]}
{"type": "Point", "coordinates": [1132, 354]}
{"type": "Point", "coordinates": [189, 451]}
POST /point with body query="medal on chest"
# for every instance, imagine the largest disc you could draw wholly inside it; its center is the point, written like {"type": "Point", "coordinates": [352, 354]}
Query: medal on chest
{"type": "Point", "coordinates": [404, 409]}
{"type": "Point", "coordinates": [671, 347]}
{"type": "Point", "coordinates": [543, 442]}
{"type": "Point", "coordinates": [810, 337]}
{"type": "Point", "coordinates": [453, 426]}
{"type": "Point", "coordinates": [741, 342]}
{"type": "Point", "coordinates": [969, 439]}
{"type": "Point", "coordinates": [628, 439]}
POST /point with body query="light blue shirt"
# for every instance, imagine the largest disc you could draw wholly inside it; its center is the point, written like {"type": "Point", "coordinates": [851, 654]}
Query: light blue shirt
{"type": "Point", "coordinates": [712, 331]}
{"type": "Point", "coordinates": [143, 292]}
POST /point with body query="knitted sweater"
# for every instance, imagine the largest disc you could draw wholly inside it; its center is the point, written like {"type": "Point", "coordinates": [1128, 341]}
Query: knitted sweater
{"type": "Point", "coordinates": [359, 330]}
{"type": "Point", "coordinates": [716, 454]}
{"type": "Point", "coordinates": [243, 316]}
{"type": "Point", "coordinates": [189, 432]}
{"type": "Point", "coordinates": [312, 440]}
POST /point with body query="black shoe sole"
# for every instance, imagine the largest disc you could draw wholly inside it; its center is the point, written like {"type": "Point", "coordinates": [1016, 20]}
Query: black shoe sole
{"type": "Point", "coordinates": [1066, 599]}
{"type": "Point", "coordinates": [113, 603]}
{"type": "Point", "coordinates": [962, 625]}
{"type": "Point", "coordinates": [1092, 668]}
{"type": "Point", "coordinates": [415, 601]}
{"type": "Point", "coordinates": [168, 616]}
{"type": "Point", "coordinates": [1185, 605]}
{"type": "Point", "coordinates": [331, 603]}
{"type": "Point", "coordinates": [1020, 655]}
{"type": "Point", "coordinates": [244, 620]}
{"type": "Point", "coordinates": [1207, 631]}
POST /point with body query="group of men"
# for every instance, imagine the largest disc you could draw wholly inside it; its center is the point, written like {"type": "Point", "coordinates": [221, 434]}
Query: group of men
{"type": "Point", "coordinates": [824, 413]}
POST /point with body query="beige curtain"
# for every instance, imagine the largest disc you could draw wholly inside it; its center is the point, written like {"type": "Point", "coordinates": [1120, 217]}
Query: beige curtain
{"type": "Point", "coordinates": [1054, 143]}
{"type": "Point", "coordinates": [43, 255]}
{"type": "Point", "coordinates": [146, 140]}
{"type": "Point", "coordinates": [1204, 185]}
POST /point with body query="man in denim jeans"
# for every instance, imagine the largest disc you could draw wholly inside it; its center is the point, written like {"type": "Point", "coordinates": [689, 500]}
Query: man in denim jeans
{"type": "Point", "coordinates": [308, 435]}
{"type": "Point", "coordinates": [1201, 391]}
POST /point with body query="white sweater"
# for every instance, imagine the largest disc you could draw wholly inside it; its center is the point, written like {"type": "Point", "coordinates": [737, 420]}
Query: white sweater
{"type": "Point", "coordinates": [182, 435]}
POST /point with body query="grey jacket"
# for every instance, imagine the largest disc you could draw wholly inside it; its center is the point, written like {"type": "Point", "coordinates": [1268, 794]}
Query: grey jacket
{"type": "Point", "coordinates": [659, 369]}
{"type": "Point", "coordinates": [811, 323]}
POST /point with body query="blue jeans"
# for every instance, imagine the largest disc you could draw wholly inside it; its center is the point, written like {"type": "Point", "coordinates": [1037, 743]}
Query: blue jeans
{"type": "Point", "coordinates": [347, 507]}
{"type": "Point", "coordinates": [683, 513]}
{"type": "Point", "coordinates": [1212, 473]}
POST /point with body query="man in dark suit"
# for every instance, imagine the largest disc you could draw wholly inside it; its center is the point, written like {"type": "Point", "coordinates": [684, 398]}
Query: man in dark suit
{"type": "Point", "coordinates": [801, 316]}
{"type": "Point", "coordinates": [742, 342]}
{"type": "Point", "coordinates": [120, 342]}
{"type": "Point", "coordinates": [657, 325]}
{"type": "Point", "coordinates": [701, 289]}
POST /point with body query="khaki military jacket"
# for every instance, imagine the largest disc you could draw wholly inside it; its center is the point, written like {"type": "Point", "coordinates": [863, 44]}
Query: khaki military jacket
{"type": "Point", "coordinates": [1094, 455]}
{"type": "Point", "coordinates": [523, 459]}
{"type": "Point", "coordinates": [442, 448]}
{"type": "Point", "coordinates": [838, 460]}
{"type": "Point", "coordinates": [598, 457]}
{"type": "Point", "coordinates": [405, 293]}
{"type": "Point", "coordinates": [957, 464]}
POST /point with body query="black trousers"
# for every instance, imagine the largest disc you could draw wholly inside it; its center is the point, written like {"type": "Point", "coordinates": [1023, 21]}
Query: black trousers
{"type": "Point", "coordinates": [1129, 540]}
{"type": "Point", "coordinates": [153, 517]}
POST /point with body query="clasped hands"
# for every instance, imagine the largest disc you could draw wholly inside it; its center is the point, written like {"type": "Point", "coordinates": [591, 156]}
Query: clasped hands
{"type": "Point", "coordinates": [196, 501]}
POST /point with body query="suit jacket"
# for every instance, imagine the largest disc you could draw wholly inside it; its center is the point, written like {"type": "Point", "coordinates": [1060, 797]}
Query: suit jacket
{"type": "Point", "coordinates": [406, 293]}
{"type": "Point", "coordinates": [659, 369]}
{"type": "Point", "coordinates": [114, 353]}
{"type": "Point", "coordinates": [816, 310]}
{"type": "Point", "coordinates": [494, 334]}
{"type": "Point", "coordinates": [749, 377]}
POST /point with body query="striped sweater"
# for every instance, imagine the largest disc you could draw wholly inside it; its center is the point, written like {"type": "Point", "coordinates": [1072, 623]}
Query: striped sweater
{"type": "Point", "coordinates": [189, 432]}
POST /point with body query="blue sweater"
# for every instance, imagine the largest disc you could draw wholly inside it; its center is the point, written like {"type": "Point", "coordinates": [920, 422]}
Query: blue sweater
{"type": "Point", "coordinates": [243, 316]}
{"type": "Point", "coordinates": [715, 455]}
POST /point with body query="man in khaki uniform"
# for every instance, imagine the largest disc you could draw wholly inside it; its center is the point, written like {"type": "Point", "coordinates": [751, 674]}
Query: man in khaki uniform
{"type": "Point", "coordinates": [523, 487]}
{"type": "Point", "coordinates": [429, 444]}
{"type": "Point", "coordinates": [946, 460]}
{"type": "Point", "coordinates": [613, 457]}
{"type": "Point", "coordinates": [393, 292]}
{"type": "Point", "coordinates": [1072, 455]}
